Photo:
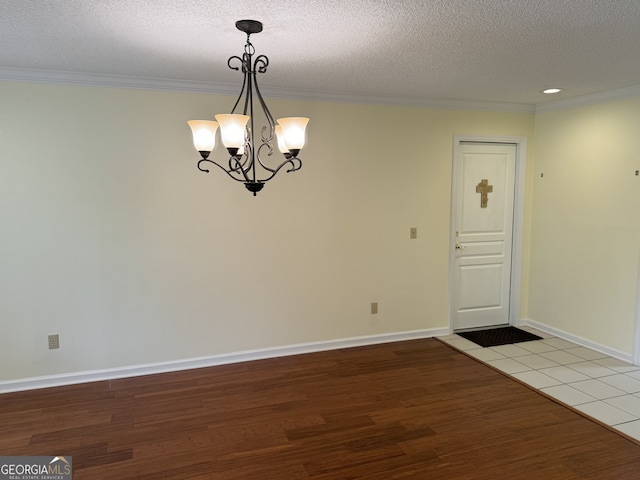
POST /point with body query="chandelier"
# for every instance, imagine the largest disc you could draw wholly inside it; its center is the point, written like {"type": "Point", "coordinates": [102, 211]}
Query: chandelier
{"type": "Point", "coordinates": [247, 151]}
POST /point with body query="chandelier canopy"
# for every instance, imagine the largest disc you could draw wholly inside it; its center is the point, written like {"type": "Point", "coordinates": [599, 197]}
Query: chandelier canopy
{"type": "Point", "coordinates": [247, 150]}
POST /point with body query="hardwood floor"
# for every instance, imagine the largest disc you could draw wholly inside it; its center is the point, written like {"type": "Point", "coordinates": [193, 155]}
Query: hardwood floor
{"type": "Point", "coordinates": [410, 410]}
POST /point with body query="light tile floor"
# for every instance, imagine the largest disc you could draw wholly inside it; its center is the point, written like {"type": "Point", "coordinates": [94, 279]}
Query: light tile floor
{"type": "Point", "coordinates": [599, 386]}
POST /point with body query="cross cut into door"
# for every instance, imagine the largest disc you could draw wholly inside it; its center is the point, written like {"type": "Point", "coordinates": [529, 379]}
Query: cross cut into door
{"type": "Point", "coordinates": [483, 188]}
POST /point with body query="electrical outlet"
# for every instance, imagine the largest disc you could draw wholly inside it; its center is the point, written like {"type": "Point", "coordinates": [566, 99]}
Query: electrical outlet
{"type": "Point", "coordinates": [413, 233]}
{"type": "Point", "coordinates": [54, 341]}
{"type": "Point", "coordinates": [374, 308]}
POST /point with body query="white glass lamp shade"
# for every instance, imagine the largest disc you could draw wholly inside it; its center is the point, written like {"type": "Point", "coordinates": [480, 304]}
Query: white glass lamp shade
{"type": "Point", "coordinates": [204, 134]}
{"type": "Point", "coordinates": [232, 129]}
{"type": "Point", "coordinates": [293, 129]}
{"type": "Point", "coordinates": [280, 136]}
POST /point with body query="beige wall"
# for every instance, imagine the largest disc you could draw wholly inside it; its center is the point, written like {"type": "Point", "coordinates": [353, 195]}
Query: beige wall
{"type": "Point", "coordinates": [585, 222]}
{"type": "Point", "coordinates": [112, 238]}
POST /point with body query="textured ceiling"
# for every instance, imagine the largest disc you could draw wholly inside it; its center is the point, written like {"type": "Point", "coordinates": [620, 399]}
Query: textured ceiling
{"type": "Point", "coordinates": [449, 50]}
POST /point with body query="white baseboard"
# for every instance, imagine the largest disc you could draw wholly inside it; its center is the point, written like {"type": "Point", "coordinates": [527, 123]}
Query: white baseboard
{"type": "Point", "coordinates": [625, 357]}
{"type": "Point", "coordinates": [48, 381]}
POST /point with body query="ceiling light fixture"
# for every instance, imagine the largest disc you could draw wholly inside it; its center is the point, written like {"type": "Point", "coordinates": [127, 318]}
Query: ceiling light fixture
{"type": "Point", "coordinates": [246, 149]}
{"type": "Point", "coordinates": [552, 90]}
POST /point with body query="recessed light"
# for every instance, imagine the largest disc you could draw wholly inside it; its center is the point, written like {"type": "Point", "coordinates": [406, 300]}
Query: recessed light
{"type": "Point", "coordinates": [552, 90]}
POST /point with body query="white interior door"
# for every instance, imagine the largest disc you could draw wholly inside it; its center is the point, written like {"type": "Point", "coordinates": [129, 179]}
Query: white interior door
{"type": "Point", "coordinates": [484, 233]}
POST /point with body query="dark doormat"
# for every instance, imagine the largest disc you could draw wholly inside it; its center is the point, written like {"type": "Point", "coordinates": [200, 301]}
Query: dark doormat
{"type": "Point", "coordinates": [499, 336]}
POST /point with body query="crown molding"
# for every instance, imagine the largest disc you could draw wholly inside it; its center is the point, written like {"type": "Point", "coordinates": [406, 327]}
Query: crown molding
{"type": "Point", "coordinates": [400, 101]}
{"type": "Point", "coordinates": [146, 83]}
{"type": "Point", "coordinates": [590, 99]}
{"type": "Point", "coordinates": [118, 81]}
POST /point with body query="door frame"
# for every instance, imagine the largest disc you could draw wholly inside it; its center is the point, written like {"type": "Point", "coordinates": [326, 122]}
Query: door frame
{"type": "Point", "coordinates": [636, 340]}
{"type": "Point", "coordinates": [518, 218]}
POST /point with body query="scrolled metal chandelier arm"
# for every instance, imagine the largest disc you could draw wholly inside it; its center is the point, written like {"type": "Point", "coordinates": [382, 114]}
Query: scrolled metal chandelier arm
{"type": "Point", "coordinates": [248, 151]}
{"type": "Point", "coordinates": [230, 170]}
